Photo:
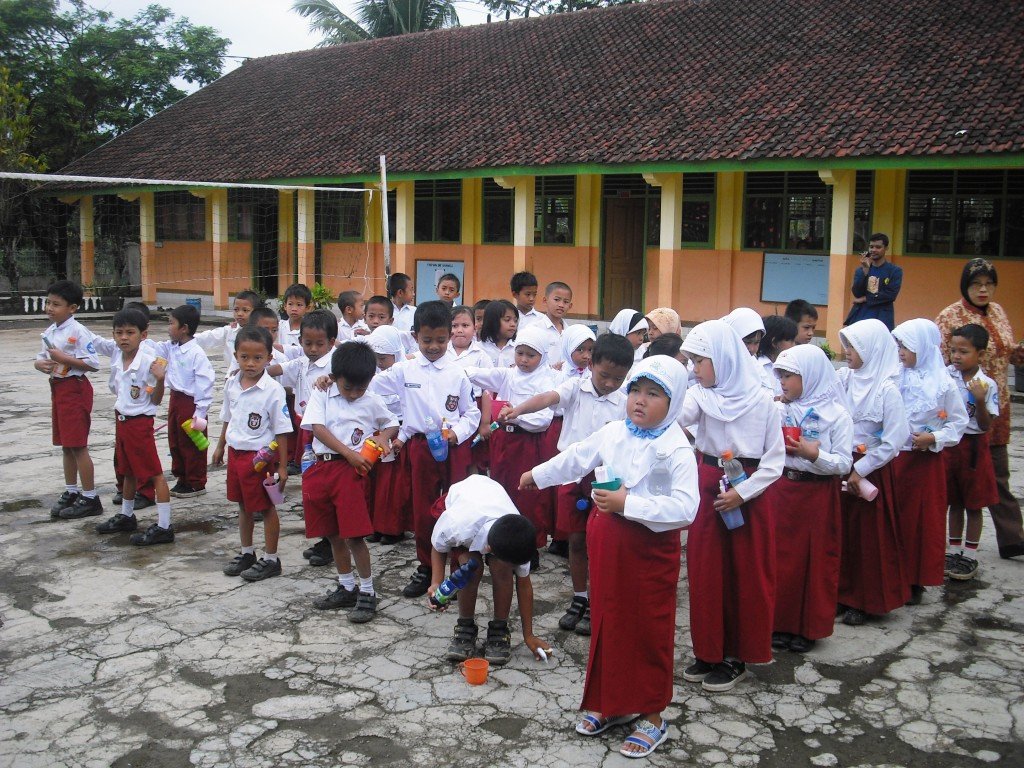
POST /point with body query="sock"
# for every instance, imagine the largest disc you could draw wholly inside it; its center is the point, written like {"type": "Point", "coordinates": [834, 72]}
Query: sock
{"type": "Point", "coordinates": [163, 514]}
{"type": "Point", "coordinates": [71, 488]}
{"type": "Point", "coordinates": [366, 585]}
{"type": "Point", "coordinates": [955, 546]}
{"type": "Point", "coordinates": [271, 556]}
{"type": "Point", "coordinates": [128, 507]}
{"type": "Point", "coordinates": [347, 581]}
{"type": "Point", "coordinates": [971, 549]}
{"type": "Point", "coordinates": [585, 594]}
{"type": "Point", "coordinates": [89, 494]}
{"type": "Point", "coordinates": [248, 550]}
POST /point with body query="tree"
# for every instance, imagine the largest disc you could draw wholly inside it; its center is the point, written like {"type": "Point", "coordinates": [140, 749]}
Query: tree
{"type": "Point", "coordinates": [527, 7]}
{"type": "Point", "coordinates": [377, 18]}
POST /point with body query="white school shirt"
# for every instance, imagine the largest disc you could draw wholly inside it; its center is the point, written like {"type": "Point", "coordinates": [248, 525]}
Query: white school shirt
{"type": "Point", "coordinates": [473, 357]}
{"type": "Point", "coordinates": [614, 446]}
{"type": "Point", "coordinates": [526, 319]}
{"type": "Point", "coordinates": [130, 383]}
{"type": "Point", "coordinates": [286, 336]}
{"type": "Point", "coordinates": [108, 348]}
{"type": "Point", "coordinates": [504, 357]}
{"type": "Point", "coordinates": [471, 508]}
{"type": "Point", "coordinates": [757, 434]}
{"type": "Point", "coordinates": [189, 372]}
{"type": "Point", "coordinates": [301, 374]}
{"type": "Point", "coordinates": [510, 385]}
{"type": "Point", "coordinates": [586, 411]}
{"type": "Point", "coordinates": [952, 428]}
{"type": "Point", "coordinates": [553, 338]}
{"type": "Point", "coordinates": [349, 422]}
{"type": "Point", "coordinates": [347, 332]}
{"type": "Point", "coordinates": [222, 338]}
{"type": "Point", "coordinates": [835, 451]}
{"type": "Point", "coordinates": [991, 399]}
{"type": "Point", "coordinates": [254, 416]}
{"type": "Point", "coordinates": [894, 427]}
{"type": "Point", "coordinates": [438, 390]}
{"type": "Point", "coordinates": [82, 348]}
{"type": "Point", "coordinates": [766, 369]}
{"type": "Point", "coordinates": [403, 317]}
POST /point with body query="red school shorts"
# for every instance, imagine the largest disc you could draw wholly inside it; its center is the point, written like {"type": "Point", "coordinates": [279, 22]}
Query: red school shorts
{"type": "Point", "coordinates": [135, 448]}
{"type": "Point", "coordinates": [970, 474]}
{"type": "Point", "coordinates": [569, 519]}
{"type": "Point", "coordinates": [244, 484]}
{"type": "Point", "coordinates": [335, 501]}
{"type": "Point", "coordinates": [71, 411]}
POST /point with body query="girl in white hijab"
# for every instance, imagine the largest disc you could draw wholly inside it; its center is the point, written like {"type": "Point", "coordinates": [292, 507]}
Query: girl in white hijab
{"type": "Point", "coordinates": [871, 577]}
{"type": "Point", "coordinates": [633, 325]}
{"type": "Point", "coordinates": [808, 517]}
{"type": "Point", "coordinates": [576, 350]}
{"type": "Point", "coordinates": [732, 571]}
{"type": "Point", "coordinates": [634, 530]}
{"type": "Point", "coordinates": [937, 418]}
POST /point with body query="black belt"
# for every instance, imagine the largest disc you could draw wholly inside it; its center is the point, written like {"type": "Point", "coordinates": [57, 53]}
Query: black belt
{"type": "Point", "coordinates": [715, 461]}
{"type": "Point", "coordinates": [514, 428]}
{"type": "Point", "coordinates": [122, 417]}
{"type": "Point", "coordinates": [329, 457]}
{"type": "Point", "coordinates": [804, 477]}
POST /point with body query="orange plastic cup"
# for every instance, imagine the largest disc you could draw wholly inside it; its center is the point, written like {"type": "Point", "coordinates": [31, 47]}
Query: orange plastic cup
{"type": "Point", "coordinates": [475, 671]}
{"type": "Point", "coordinates": [371, 452]}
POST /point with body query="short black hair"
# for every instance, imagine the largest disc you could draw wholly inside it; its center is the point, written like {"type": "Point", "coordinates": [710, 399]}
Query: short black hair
{"type": "Point", "coordinates": [348, 299]}
{"type": "Point", "coordinates": [252, 297]}
{"type": "Point", "coordinates": [320, 320]}
{"type": "Point", "coordinates": [482, 304]}
{"type": "Point", "coordinates": [776, 328]}
{"type": "Point", "coordinates": [398, 282]}
{"type": "Point", "coordinates": [975, 334]}
{"type": "Point", "coordinates": [556, 286]}
{"type": "Point", "coordinates": [262, 313]}
{"type": "Point", "coordinates": [513, 538]}
{"type": "Point", "coordinates": [880, 237]}
{"type": "Point", "coordinates": [463, 309]}
{"type": "Point", "coordinates": [493, 312]}
{"type": "Point", "coordinates": [454, 278]}
{"type": "Point", "coordinates": [188, 316]}
{"type": "Point", "coordinates": [298, 291]}
{"type": "Point", "coordinates": [612, 348]}
{"type": "Point", "coordinates": [255, 333]}
{"type": "Point", "coordinates": [140, 306]}
{"type": "Point", "coordinates": [355, 362]}
{"type": "Point", "coordinates": [67, 290]}
{"type": "Point", "coordinates": [522, 280]}
{"type": "Point", "coordinates": [666, 344]}
{"type": "Point", "coordinates": [432, 314]}
{"type": "Point", "coordinates": [798, 309]}
{"type": "Point", "coordinates": [383, 301]}
{"type": "Point", "coordinates": [130, 317]}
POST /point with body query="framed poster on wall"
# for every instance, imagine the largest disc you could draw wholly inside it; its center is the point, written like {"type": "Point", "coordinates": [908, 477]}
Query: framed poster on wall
{"type": "Point", "coordinates": [428, 273]}
{"type": "Point", "coordinates": [788, 276]}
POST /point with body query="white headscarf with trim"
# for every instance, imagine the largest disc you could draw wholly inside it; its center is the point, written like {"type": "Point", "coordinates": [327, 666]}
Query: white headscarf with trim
{"type": "Point", "coordinates": [744, 321]}
{"type": "Point", "coordinates": [822, 390]}
{"type": "Point", "coordinates": [737, 388]}
{"type": "Point", "coordinates": [572, 338]}
{"type": "Point", "coordinates": [877, 349]}
{"type": "Point", "coordinates": [621, 323]}
{"type": "Point", "coordinates": [387, 340]}
{"type": "Point", "coordinates": [922, 385]}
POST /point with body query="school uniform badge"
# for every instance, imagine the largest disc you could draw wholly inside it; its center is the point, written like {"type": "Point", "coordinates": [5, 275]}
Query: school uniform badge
{"type": "Point", "coordinates": [357, 436]}
{"type": "Point", "coordinates": [452, 403]}
{"type": "Point", "coordinates": [135, 391]}
{"type": "Point", "coordinates": [255, 419]}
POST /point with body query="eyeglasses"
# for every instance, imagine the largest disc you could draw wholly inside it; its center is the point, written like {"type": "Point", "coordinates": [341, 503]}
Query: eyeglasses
{"type": "Point", "coordinates": [982, 285]}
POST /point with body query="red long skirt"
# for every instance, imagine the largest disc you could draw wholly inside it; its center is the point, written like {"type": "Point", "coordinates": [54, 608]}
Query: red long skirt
{"type": "Point", "coordinates": [548, 450]}
{"type": "Point", "coordinates": [512, 454]}
{"type": "Point", "coordinates": [629, 669]}
{"type": "Point", "coordinates": [871, 575]}
{"type": "Point", "coordinates": [921, 505]}
{"type": "Point", "coordinates": [427, 480]}
{"type": "Point", "coordinates": [392, 496]}
{"type": "Point", "coordinates": [808, 541]}
{"type": "Point", "coordinates": [732, 577]}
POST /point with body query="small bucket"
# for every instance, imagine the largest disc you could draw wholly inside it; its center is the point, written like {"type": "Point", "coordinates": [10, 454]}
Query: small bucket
{"type": "Point", "coordinates": [370, 451]}
{"type": "Point", "coordinates": [474, 670]}
{"type": "Point", "coordinates": [273, 489]}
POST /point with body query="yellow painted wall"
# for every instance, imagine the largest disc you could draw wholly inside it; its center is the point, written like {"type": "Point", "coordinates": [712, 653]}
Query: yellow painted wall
{"type": "Point", "coordinates": [574, 265]}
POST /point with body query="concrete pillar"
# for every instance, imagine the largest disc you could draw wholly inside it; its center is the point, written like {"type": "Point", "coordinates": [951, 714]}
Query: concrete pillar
{"type": "Point", "coordinates": [217, 203]}
{"type": "Point", "coordinates": [405, 210]}
{"type": "Point", "coordinates": [522, 226]}
{"type": "Point", "coordinates": [285, 239]}
{"type": "Point", "coordinates": [728, 231]}
{"type": "Point", "coordinates": [86, 223]}
{"type": "Point", "coordinates": [147, 246]}
{"type": "Point", "coordinates": [841, 259]}
{"type": "Point", "coordinates": [307, 237]}
{"type": "Point", "coordinates": [671, 236]}
{"type": "Point", "coordinates": [472, 232]}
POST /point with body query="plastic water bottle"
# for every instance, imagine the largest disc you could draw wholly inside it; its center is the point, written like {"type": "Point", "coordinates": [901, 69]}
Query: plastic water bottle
{"type": "Point", "coordinates": [308, 458]}
{"type": "Point", "coordinates": [435, 441]}
{"type": "Point", "coordinates": [151, 379]}
{"type": "Point", "coordinates": [445, 593]}
{"type": "Point", "coordinates": [659, 480]}
{"type": "Point", "coordinates": [735, 474]}
{"type": "Point", "coordinates": [264, 456]}
{"type": "Point", "coordinates": [873, 441]}
{"type": "Point", "coordinates": [937, 423]}
{"type": "Point", "coordinates": [811, 425]}
{"type": "Point", "coordinates": [201, 441]}
{"type": "Point", "coordinates": [582, 505]}
{"type": "Point", "coordinates": [477, 440]}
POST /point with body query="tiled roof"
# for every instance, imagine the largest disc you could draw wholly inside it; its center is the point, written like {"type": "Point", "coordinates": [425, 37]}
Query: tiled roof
{"type": "Point", "coordinates": [656, 82]}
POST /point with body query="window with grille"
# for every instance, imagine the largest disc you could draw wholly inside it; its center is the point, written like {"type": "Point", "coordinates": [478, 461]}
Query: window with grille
{"type": "Point", "coordinates": [179, 216]}
{"type": "Point", "coordinates": [554, 210]}
{"type": "Point", "coordinates": [437, 216]}
{"type": "Point", "coordinates": [787, 211]}
{"type": "Point", "coordinates": [698, 210]}
{"type": "Point", "coordinates": [498, 213]}
{"type": "Point", "coordinates": [240, 214]}
{"type": "Point", "coordinates": [340, 216]}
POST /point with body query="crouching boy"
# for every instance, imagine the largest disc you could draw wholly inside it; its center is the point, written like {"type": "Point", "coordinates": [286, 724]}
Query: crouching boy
{"type": "Point", "coordinates": [480, 522]}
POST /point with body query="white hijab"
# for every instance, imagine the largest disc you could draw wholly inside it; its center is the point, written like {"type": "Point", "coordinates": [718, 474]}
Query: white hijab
{"type": "Point", "coordinates": [572, 338]}
{"type": "Point", "coordinates": [621, 324]}
{"type": "Point", "coordinates": [541, 376]}
{"type": "Point", "coordinates": [387, 340]}
{"type": "Point", "coordinates": [877, 348]}
{"type": "Point", "coordinates": [737, 387]}
{"type": "Point", "coordinates": [922, 385]}
{"type": "Point", "coordinates": [822, 390]}
{"type": "Point", "coordinates": [744, 321]}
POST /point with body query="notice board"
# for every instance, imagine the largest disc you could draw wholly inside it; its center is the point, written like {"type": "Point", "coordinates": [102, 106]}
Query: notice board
{"type": "Point", "coordinates": [788, 276]}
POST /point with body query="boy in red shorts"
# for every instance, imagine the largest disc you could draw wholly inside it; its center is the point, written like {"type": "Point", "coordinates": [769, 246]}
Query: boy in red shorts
{"type": "Point", "coordinates": [67, 354]}
{"type": "Point", "coordinates": [138, 381]}
{"type": "Point", "coordinates": [336, 489]}
{"type": "Point", "coordinates": [254, 415]}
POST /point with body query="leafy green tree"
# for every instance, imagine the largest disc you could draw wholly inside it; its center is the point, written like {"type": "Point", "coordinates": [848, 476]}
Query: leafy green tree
{"type": "Point", "coordinates": [540, 7]}
{"type": "Point", "coordinates": [377, 18]}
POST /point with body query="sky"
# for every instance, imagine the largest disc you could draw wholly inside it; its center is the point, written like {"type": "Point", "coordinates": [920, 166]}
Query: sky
{"type": "Point", "coordinates": [257, 27]}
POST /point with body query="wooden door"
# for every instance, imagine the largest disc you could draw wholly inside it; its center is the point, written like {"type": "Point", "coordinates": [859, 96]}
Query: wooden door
{"type": "Point", "coordinates": [623, 269]}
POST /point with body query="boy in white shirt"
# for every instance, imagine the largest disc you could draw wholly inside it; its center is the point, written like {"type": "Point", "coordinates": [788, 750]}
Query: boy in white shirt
{"type": "Point", "coordinates": [557, 302]}
{"type": "Point", "coordinates": [223, 338]}
{"type": "Point", "coordinates": [524, 294]}
{"type": "Point", "coordinates": [298, 300]}
{"type": "Point", "coordinates": [402, 293]}
{"type": "Point", "coordinates": [350, 303]}
{"type": "Point", "coordinates": [254, 415]}
{"type": "Point", "coordinates": [481, 523]}
{"type": "Point", "coordinates": [336, 489]}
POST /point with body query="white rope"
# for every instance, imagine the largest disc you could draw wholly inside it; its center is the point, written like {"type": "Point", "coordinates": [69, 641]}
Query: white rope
{"type": "Point", "coordinates": [109, 180]}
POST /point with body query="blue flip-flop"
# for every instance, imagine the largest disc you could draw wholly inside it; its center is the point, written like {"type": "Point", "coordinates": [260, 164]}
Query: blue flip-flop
{"type": "Point", "coordinates": [650, 730]}
{"type": "Point", "coordinates": [599, 725]}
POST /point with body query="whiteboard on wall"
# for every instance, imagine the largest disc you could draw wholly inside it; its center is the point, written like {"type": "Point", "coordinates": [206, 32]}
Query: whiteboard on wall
{"type": "Point", "coordinates": [429, 272]}
{"type": "Point", "coordinates": [788, 276]}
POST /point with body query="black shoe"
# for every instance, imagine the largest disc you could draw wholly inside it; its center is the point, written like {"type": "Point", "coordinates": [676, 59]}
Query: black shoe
{"type": "Point", "coordinates": [725, 676]}
{"type": "Point", "coordinates": [800, 644]}
{"type": "Point", "coordinates": [177, 487]}
{"type": "Point", "coordinates": [322, 554]}
{"type": "Point", "coordinates": [696, 672]}
{"type": "Point", "coordinates": [143, 502]}
{"type": "Point", "coordinates": [780, 640]}
{"type": "Point", "coordinates": [373, 538]}
{"type": "Point", "coordinates": [339, 598]}
{"type": "Point", "coordinates": [583, 628]}
{"type": "Point", "coordinates": [83, 507]}
{"type": "Point", "coordinates": [1012, 550]}
{"type": "Point", "coordinates": [262, 569]}
{"type": "Point", "coordinates": [418, 584]}
{"type": "Point", "coordinates": [916, 595]}
{"type": "Point", "coordinates": [388, 539]}
{"type": "Point", "coordinates": [463, 645]}
{"type": "Point", "coordinates": [183, 491]}
{"type": "Point", "coordinates": [294, 470]}
{"type": "Point", "coordinates": [573, 613]}
{"type": "Point", "coordinates": [854, 617]}
{"type": "Point", "coordinates": [308, 552]}
{"type": "Point", "coordinates": [950, 562]}
{"type": "Point", "coordinates": [154, 535]}
{"type": "Point", "coordinates": [365, 610]}
{"type": "Point", "coordinates": [558, 548]}
{"type": "Point", "coordinates": [118, 524]}
{"type": "Point", "coordinates": [964, 569]}
{"type": "Point", "coordinates": [243, 561]}
{"type": "Point", "coordinates": [498, 646]}
{"type": "Point", "coordinates": [118, 498]}
{"type": "Point", "coordinates": [66, 501]}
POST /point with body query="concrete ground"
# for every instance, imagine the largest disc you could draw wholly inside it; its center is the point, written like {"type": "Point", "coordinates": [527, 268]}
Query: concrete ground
{"type": "Point", "coordinates": [112, 655]}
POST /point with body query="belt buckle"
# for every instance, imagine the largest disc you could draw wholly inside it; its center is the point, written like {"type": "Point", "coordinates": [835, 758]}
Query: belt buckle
{"type": "Point", "coordinates": [121, 417]}
{"type": "Point", "coordinates": [510, 428]}
{"type": "Point", "coordinates": [792, 474]}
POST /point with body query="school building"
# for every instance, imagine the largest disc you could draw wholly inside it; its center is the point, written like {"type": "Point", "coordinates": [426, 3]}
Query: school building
{"type": "Point", "coordinates": [698, 154]}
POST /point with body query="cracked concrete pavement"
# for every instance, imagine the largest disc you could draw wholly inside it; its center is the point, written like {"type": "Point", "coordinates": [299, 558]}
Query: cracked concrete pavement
{"type": "Point", "coordinates": [113, 655]}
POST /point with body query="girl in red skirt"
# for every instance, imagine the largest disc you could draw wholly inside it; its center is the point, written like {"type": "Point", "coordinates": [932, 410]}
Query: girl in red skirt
{"type": "Point", "coordinates": [468, 353]}
{"type": "Point", "coordinates": [937, 419]}
{"type": "Point", "coordinates": [871, 574]}
{"type": "Point", "coordinates": [808, 523]}
{"type": "Point", "coordinates": [633, 540]}
{"type": "Point", "coordinates": [731, 570]}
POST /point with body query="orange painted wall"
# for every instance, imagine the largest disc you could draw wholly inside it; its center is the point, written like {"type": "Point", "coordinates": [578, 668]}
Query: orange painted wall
{"type": "Point", "coordinates": [237, 267]}
{"type": "Point", "coordinates": [185, 266]}
{"type": "Point", "coordinates": [573, 265]}
{"type": "Point", "coordinates": [492, 267]}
